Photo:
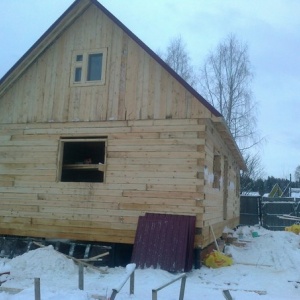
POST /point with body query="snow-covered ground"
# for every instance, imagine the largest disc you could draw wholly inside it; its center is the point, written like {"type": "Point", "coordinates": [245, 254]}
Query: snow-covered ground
{"type": "Point", "coordinates": [268, 267]}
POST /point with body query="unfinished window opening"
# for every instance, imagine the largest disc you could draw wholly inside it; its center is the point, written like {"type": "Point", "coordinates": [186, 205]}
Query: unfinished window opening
{"type": "Point", "coordinates": [217, 171]}
{"type": "Point", "coordinates": [237, 183]}
{"type": "Point", "coordinates": [83, 160]}
{"type": "Point", "coordinates": [225, 188]}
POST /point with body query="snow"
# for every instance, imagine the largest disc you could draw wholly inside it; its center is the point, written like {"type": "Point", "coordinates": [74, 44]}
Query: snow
{"type": "Point", "coordinates": [251, 194]}
{"type": "Point", "coordinates": [266, 267]}
{"type": "Point", "coordinates": [295, 192]}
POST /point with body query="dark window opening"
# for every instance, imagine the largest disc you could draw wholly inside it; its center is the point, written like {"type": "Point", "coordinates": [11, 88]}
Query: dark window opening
{"type": "Point", "coordinates": [83, 161]}
{"type": "Point", "coordinates": [81, 176]}
{"type": "Point", "coordinates": [78, 72]}
{"type": "Point", "coordinates": [79, 57]}
{"type": "Point", "coordinates": [217, 171]}
{"type": "Point", "coordinates": [94, 67]}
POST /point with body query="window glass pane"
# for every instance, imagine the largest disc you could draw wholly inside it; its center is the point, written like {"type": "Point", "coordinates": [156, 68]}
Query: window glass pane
{"type": "Point", "coordinates": [78, 72]}
{"type": "Point", "coordinates": [94, 66]}
{"type": "Point", "coordinates": [79, 57]}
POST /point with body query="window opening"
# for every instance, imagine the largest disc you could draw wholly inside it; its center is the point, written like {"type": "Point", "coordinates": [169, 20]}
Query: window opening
{"type": "Point", "coordinates": [78, 72]}
{"type": "Point", "coordinates": [88, 67]}
{"type": "Point", "coordinates": [225, 188]}
{"type": "Point", "coordinates": [217, 171]}
{"type": "Point", "coordinates": [83, 160]}
{"type": "Point", "coordinates": [94, 67]}
{"type": "Point", "coordinates": [79, 57]}
{"type": "Point", "coordinates": [237, 183]}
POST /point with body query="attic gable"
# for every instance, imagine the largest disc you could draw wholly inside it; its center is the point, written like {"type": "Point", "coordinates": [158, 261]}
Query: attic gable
{"type": "Point", "coordinates": [67, 18]}
{"type": "Point", "coordinates": [140, 86]}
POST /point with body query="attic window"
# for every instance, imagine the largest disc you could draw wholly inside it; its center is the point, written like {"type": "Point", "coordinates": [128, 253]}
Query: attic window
{"type": "Point", "coordinates": [94, 71]}
{"type": "Point", "coordinates": [83, 159]}
{"type": "Point", "coordinates": [79, 57]}
{"type": "Point", "coordinates": [88, 67]}
{"type": "Point", "coordinates": [217, 171]}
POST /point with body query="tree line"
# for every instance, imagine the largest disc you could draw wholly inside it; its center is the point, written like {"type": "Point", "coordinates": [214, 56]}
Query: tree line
{"type": "Point", "coordinates": [264, 186]}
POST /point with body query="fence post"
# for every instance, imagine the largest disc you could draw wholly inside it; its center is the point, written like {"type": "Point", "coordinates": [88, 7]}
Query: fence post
{"type": "Point", "coordinates": [80, 283]}
{"type": "Point", "coordinates": [37, 289]}
{"type": "Point", "coordinates": [154, 295]}
{"type": "Point", "coordinates": [182, 288]}
{"type": "Point", "coordinates": [130, 275]}
{"type": "Point", "coordinates": [131, 288]}
{"type": "Point", "coordinates": [113, 295]}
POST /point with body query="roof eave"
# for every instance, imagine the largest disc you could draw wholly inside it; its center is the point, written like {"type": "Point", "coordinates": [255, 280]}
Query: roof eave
{"type": "Point", "coordinates": [230, 141]}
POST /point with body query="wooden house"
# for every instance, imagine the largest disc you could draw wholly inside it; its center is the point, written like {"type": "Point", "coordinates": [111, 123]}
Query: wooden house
{"type": "Point", "coordinates": [96, 131]}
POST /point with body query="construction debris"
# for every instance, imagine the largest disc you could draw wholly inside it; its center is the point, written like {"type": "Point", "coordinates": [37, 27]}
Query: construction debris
{"type": "Point", "coordinates": [294, 228]}
{"type": "Point", "coordinates": [93, 253]}
{"type": "Point", "coordinates": [217, 259]}
{"type": "Point", "coordinates": [4, 278]}
{"type": "Point", "coordinates": [80, 261]}
{"type": "Point", "coordinates": [289, 217]}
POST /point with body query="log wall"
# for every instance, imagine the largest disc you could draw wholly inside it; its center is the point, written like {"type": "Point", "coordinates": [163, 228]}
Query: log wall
{"type": "Point", "coordinates": [160, 148]}
{"type": "Point", "coordinates": [153, 166]}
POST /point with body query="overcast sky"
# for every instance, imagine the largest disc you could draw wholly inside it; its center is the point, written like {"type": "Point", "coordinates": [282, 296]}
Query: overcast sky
{"type": "Point", "coordinates": [271, 28]}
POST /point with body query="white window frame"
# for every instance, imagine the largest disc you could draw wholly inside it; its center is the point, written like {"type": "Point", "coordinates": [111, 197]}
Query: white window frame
{"type": "Point", "coordinates": [84, 67]}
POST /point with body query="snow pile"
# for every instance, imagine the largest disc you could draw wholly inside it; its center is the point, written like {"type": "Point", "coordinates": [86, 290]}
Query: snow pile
{"type": "Point", "coordinates": [266, 267]}
{"type": "Point", "coordinates": [42, 262]}
{"type": "Point", "coordinates": [279, 250]}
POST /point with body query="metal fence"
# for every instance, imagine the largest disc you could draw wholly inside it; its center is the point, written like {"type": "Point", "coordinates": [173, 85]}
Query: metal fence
{"type": "Point", "coordinates": [250, 210]}
{"type": "Point", "coordinates": [266, 211]}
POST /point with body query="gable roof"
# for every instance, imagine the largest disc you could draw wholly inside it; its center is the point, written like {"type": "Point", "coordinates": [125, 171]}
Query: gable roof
{"type": "Point", "coordinates": [64, 21]}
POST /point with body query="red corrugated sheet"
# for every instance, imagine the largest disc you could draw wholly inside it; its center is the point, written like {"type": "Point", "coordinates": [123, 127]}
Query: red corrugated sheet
{"type": "Point", "coordinates": [165, 241]}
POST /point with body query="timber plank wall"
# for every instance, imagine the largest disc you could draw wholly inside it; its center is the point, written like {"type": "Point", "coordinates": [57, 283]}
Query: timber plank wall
{"type": "Point", "coordinates": [135, 87]}
{"type": "Point", "coordinates": [160, 143]}
{"type": "Point", "coordinates": [151, 166]}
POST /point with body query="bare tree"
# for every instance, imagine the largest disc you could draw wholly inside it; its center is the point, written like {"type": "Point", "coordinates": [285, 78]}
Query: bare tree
{"type": "Point", "coordinates": [226, 83]}
{"type": "Point", "coordinates": [297, 173]}
{"type": "Point", "coordinates": [254, 171]}
{"type": "Point", "coordinates": [177, 57]}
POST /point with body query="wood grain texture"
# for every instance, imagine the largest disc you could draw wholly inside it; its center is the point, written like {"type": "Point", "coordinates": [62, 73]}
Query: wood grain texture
{"type": "Point", "coordinates": [161, 142]}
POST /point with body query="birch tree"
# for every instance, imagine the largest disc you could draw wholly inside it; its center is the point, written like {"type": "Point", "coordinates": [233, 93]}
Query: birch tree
{"type": "Point", "coordinates": [177, 57]}
{"type": "Point", "coordinates": [225, 82]}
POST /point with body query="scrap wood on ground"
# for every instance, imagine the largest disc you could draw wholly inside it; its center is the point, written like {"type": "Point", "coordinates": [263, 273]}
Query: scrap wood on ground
{"type": "Point", "coordinates": [272, 252]}
{"type": "Point", "coordinates": [83, 262]}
